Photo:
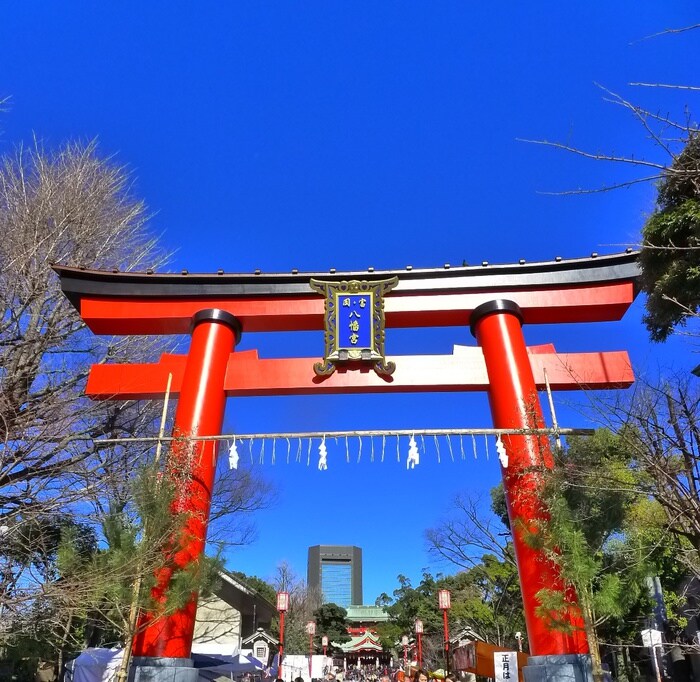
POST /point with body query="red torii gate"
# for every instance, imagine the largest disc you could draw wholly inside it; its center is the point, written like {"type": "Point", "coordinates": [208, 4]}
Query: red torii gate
{"type": "Point", "coordinates": [495, 301]}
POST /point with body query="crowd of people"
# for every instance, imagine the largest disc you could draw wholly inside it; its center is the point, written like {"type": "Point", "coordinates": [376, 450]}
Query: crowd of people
{"type": "Point", "coordinates": [374, 674]}
{"type": "Point", "coordinates": [371, 673]}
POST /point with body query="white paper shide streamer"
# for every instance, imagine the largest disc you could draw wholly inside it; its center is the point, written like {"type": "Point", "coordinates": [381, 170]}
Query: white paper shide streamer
{"type": "Point", "coordinates": [233, 456]}
{"type": "Point", "coordinates": [502, 454]}
{"type": "Point", "coordinates": [305, 441]}
{"type": "Point", "coordinates": [413, 454]}
{"type": "Point", "coordinates": [322, 456]}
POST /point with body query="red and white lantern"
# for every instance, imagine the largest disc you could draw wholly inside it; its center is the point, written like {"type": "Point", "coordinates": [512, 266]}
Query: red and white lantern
{"type": "Point", "coordinates": [283, 601]}
{"type": "Point", "coordinates": [444, 601]}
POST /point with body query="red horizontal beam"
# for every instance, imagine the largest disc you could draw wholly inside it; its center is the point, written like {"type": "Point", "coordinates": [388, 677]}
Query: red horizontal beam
{"type": "Point", "coordinates": [584, 303]}
{"type": "Point", "coordinates": [464, 370]}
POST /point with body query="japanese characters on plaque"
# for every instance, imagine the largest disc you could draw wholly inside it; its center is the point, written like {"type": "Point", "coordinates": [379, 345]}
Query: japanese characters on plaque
{"type": "Point", "coordinates": [354, 321]}
{"type": "Point", "coordinates": [354, 324]}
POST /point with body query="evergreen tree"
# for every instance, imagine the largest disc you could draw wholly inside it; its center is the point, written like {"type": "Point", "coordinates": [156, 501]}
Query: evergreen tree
{"type": "Point", "coordinates": [670, 257]}
{"type": "Point", "coordinates": [593, 534]}
{"type": "Point", "coordinates": [331, 621]}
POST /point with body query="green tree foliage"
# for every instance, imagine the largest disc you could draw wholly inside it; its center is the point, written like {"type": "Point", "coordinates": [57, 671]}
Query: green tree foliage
{"type": "Point", "coordinates": [95, 593]}
{"type": "Point", "coordinates": [383, 600]}
{"type": "Point", "coordinates": [628, 508]}
{"type": "Point", "coordinates": [34, 545]}
{"type": "Point", "coordinates": [421, 602]}
{"type": "Point", "coordinates": [670, 257]}
{"type": "Point", "coordinates": [659, 424]}
{"type": "Point", "coordinates": [262, 587]}
{"type": "Point", "coordinates": [389, 634]}
{"type": "Point", "coordinates": [331, 621]}
{"type": "Point", "coordinates": [486, 603]}
{"type": "Point", "coordinates": [477, 539]}
{"type": "Point", "coordinates": [411, 603]}
{"type": "Point", "coordinates": [492, 603]}
{"type": "Point", "coordinates": [593, 535]}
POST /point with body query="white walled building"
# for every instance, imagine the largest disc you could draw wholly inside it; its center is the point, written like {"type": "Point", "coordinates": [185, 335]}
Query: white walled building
{"type": "Point", "coordinates": [231, 615]}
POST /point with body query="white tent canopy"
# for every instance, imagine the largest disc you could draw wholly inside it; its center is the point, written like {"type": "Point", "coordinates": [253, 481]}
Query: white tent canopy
{"type": "Point", "coordinates": [94, 665]}
{"type": "Point", "coordinates": [100, 665]}
{"type": "Point", "coordinates": [234, 666]}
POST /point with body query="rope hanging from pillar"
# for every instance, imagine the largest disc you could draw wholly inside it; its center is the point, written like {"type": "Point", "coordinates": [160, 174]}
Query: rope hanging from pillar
{"type": "Point", "coordinates": [409, 449]}
{"type": "Point", "coordinates": [411, 446]}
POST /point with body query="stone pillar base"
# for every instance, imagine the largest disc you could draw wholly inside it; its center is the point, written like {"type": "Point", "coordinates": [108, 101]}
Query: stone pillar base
{"type": "Point", "coordinates": [147, 669]}
{"type": "Point", "coordinates": [562, 668]}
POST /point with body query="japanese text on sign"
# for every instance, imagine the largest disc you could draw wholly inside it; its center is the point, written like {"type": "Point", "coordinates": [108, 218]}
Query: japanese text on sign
{"type": "Point", "coordinates": [354, 321]}
{"type": "Point", "coordinates": [506, 666]}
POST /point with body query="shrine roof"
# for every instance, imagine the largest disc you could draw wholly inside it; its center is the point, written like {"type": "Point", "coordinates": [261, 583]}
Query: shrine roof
{"type": "Point", "coordinates": [78, 282]}
{"type": "Point", "coordinates": [369, 614]}
{"type": "Point", "coordinates": [369, 641]}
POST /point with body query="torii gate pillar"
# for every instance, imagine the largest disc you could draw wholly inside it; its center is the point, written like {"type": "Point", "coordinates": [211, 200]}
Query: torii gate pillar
{"type": "Point", "coordinates": [200, 412]}
{"type": "Point", "coordinates": [515, 405]}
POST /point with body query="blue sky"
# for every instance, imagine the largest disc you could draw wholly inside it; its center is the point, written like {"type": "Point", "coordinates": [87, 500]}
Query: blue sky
{"type": "Point", "coordinates": [311, 135]}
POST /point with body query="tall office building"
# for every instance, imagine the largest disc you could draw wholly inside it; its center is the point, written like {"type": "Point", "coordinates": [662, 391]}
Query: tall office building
{"type": "Point", "coordinates": [336, 570]}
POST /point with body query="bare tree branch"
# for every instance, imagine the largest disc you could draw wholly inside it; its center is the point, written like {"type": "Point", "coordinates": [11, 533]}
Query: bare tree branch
{"type": "Point", "coordinates": [666, 85]}
{"type": "Point", "coordinates": [596, 156]}
{"type": "Point", "coordinates": [667, 31]}
{"type": "Point", "coordinates": [605, 188]}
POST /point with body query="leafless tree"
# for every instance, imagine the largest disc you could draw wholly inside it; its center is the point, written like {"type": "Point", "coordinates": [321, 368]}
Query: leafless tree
{"type": "Point", "coordinates": [69, 206]}
{"type": "Point", "coordinates": [238, 494]}
{"type": "Point", "coordinates": [670, 160]}
{"type": "Point", "coordinates": [668, 137]}
{"type": "Point", "coordinates": [303, 601]}
{"type": "Point", "coordinates": [74, 207]}
{"type": "Point", "coordinates": [468, 533]}
{"type": "Point", "coordinates": [473, 538]}
{"type": "Point", "coordinates": [666, 134]}
{"type": "Point", "coordinates": [660, 426]}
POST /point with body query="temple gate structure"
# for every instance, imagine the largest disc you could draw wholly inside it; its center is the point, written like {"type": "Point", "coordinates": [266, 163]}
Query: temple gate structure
{"type": "Point", "coordinates": [494, 301]}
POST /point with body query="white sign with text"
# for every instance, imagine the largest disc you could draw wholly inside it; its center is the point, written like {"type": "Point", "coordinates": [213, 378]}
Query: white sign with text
{"type": "Point", "coordinates": [506, 666]}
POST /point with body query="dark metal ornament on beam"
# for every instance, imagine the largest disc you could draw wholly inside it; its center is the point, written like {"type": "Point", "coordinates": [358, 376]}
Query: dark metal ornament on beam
{"type": "Point", "coordinates": [362, 342]}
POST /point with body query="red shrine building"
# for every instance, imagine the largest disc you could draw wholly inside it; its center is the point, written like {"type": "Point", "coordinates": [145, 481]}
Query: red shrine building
{"type": "Point", "coordinates": [364, 647]}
